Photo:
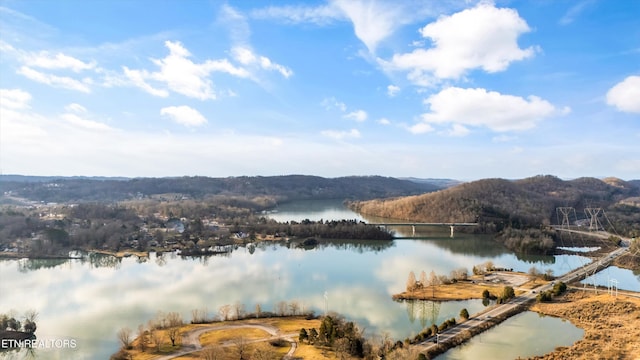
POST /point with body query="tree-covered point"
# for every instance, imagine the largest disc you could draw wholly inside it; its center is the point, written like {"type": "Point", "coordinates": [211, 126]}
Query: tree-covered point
{"type": "Point", "coordinates": [330, 229]}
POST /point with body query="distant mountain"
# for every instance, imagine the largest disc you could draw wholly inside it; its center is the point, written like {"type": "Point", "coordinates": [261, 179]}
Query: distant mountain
{"type": "Point", "coordinates": [28, 178]}
{"type": "Point", "coordinates": [441, 183]}
{"type": "Point", "coordinates": [527, 202]}
{"type": "Point", "coordinates": [281, 188]}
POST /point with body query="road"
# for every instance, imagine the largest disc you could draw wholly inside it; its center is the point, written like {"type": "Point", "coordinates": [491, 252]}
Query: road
{"type": "Point", "coordinates": [482, 319]}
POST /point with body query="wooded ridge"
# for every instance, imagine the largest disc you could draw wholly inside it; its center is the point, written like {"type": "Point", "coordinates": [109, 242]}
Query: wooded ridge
{"type": "Point", "coordinates": [529, 202]}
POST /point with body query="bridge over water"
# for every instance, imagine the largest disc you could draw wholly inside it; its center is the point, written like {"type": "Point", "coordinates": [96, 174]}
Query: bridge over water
{"type": "Point", "coordinates": [521, 302]}
{"type": "Point", "coordinates": [413, 225]}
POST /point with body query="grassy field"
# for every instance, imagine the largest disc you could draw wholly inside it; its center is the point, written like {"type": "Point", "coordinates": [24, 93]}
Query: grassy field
{"type": "Point", "coordinates": [465, 290]}
{"type": "Point", "coordinates": [611, 325]}
{"type": "Point", "coordinates": [222, 343]}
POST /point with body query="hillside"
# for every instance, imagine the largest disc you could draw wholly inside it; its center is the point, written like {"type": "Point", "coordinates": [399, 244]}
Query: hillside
{"type": "Point", "coordinates": [521, 203]}
{"type": "Point", "coordinates": [280, 188]}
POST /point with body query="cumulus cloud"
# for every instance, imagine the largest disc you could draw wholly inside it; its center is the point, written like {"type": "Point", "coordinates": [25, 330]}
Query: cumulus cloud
{"type": "Point", "coordinates": [63, 82]}
{"type": "Point", "coordinates": [14, 99]}
{"type": "Point", "coordinates": [358, 115]}
{"type": "Point", "coordinates": [421, 128]}
{"type": "Point", "coordinates": [483, 37]}
{"type": "Point", "coordinates": [481, 108]}
{"type": "Point", "coordinates": [340, 135]}
{"type": "Point", "coordinates": [384, 121]}
{"type": "Point", "coordinates": [625, 95]}
{"type": "Point", "coordinates": [181, 75]}
{"type": "Point", "coordinates": [393, 90]}
{"type": "Point", "coordinates": [184, 115]}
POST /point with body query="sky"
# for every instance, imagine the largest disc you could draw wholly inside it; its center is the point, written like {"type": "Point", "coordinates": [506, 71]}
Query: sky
{"type": "Point", "coordinates": [431, 89]}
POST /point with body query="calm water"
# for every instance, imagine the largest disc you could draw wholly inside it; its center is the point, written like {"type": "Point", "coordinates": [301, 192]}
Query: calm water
{"type": "Point", "coordinates": [521, 336]}
{"type": "Point", "coordinates": [624, 278]}
{"type": "Point", "coordinates": [90, 300]}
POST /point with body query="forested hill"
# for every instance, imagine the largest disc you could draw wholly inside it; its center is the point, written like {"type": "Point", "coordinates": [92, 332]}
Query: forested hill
{"type": "Point", "coordinates": [280, 188]}
{"type": "Point", "coordinates": [521, 203]}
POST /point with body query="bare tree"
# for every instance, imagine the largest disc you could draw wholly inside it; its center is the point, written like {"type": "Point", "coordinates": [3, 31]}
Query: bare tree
{"type": "Point", "coordinates": [258, 310]}
{"type": "Point", "coordinates": [174, 322]}
{"type": "Point", "coordinates": [239, 309]}
{"type": "Point", "coordinates": [411, 282]}
{"type": "Point", "coordinates": [281, 308]}
{"type": "Point", "coordinates": [212, 353]}
{"type": "Point", "coordinates": [423, 278]}
{"type": "Point", "coordinates": [198, 316]}
{"type": "Point", "coordinates": [225, 312]}
{"type": "Point", "coordinates": [433, 278]}
{"type": "Point", "coordinates": [241, 348]}
{"type": "Point", "coordinates": [264, 352]}
{"type": "Point", "coordinates": [124, 335]}
{"type": "Point", "coordinates": [142, 340]}
{"type": "Point", "coordinates": [156, 337]}
{"type": "Point", "coordinates": [342, 347]}
{"type": "Point", "coordinates": [294, 306]}
{"type": "Point", "coordinates": [533, 273]}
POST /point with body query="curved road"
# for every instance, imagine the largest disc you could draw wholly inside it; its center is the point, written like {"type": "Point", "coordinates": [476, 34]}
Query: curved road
{"type": "Point", "coordinates": [191, 339]}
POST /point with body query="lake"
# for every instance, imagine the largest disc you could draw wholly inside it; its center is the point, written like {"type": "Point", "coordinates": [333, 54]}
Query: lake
{"type": "Point", "coordinates": [524, 335]}
{"type": "Point", "coordinates": [89, 300]}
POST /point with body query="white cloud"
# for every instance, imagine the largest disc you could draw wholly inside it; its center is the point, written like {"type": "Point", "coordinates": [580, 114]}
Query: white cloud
{"type": "Point", "coordinates": [420, 128]}
{"type": "Point", "coordinates": [340, 135]}
{"type": "Point", "coordinates": [625, 95]}
{"type": "Point", "coordinates": [358, 115]}
{"type": "Point", "coordinates": [184, 115]}
{"type": "Point", "coordinates": [137, 78]}
{"type": "Point", "coordinates": [46, 60]}
{"type": "Point", "coordinates": [384, 121]}
{"type": "Point", "coordinates": [393, 90]}
{"type": "Point", "coordinates": [14, 99]}
{"type": "Point", "coordinates": [482, 37]}
{"type": "Point", "coordinates": [75, 108]}
{"type": "Point", "coordinates": [458, 130]}
{"type": "Point", "coordinates": [64, 82]}
{"type": "Point", "coordinates": [246, 56]}
{"type": "Point", "coordinates": [503, 138]}
{"type": "Point", "coordinates": [373, 21]}
{"type": "Point", "coordinates": [86, 124]}
{"type": "Point", "coordinates": [481, 108]}
{"type": "Point", "coordinates": [331, 103]}
{"type": "Point", "coordinates": [236, 22]}
{"type": "Point", "coordinates": [181, 75]}
{"type": "Point", "coordinates": [574, 11]}
{"type": "Point", "coordinates": [320, 15]}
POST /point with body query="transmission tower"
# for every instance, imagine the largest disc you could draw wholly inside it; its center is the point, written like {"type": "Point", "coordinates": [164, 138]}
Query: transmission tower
{"type": "Point", "coordinates": [592, 213]}
{"type": "Point", "coordinates": [565, 211]}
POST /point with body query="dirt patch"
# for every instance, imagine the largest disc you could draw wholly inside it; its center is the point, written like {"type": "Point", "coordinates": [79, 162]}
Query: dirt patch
{"type": "Point", "coordinates": [611, 325]}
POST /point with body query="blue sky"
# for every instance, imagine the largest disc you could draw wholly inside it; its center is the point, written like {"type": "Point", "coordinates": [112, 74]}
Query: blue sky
{"type": "Point", "coordinates": [455, 89]}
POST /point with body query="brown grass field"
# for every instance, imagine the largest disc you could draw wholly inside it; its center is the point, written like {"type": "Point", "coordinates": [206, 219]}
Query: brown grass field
{"type": "Point", "coordinates": [611, 325]}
